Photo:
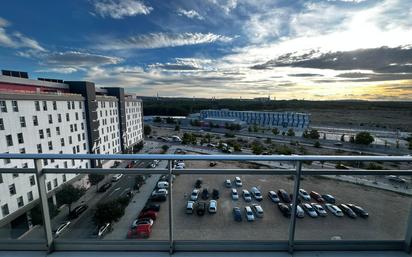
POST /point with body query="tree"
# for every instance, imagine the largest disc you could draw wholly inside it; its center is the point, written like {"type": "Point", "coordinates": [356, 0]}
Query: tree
{"type": "Point", "coordinates": [108, 212]}
{"type": "Point", "coordinates": [165, 148]}
{"type": "Point", "coordinates": [352, 139]}
{"type": "Point", "coordinates": [317, 144]}
{"type": "Point", "coordinates": [69, 194]}
{"type": "Point", "coordinates": [147, 130]}
{"type": "Point", "coordinates": [291, 133]}
{"type": "Point", "coordinates": [250, 129]}
{"type": "Point", "coordinates": [157, 119]}
{"type": "Point", "coordinates": [364, 138]}
{"type": "Point", "coordinates": [275, 131]}
{"type": "Point", "coordinates": [255, 128]}
{"type": "Point", "coordinates": [177, 128]}
{"type": "Point", "coordinates": [312, 134]}
{"type": "Point", "coordinates": [236, 147]}
{"type": "Point", "coordinates": [203, 141]}
{"type": "Point", "coordinates": [342, 138]}
{"type": "Point", "coordinates": [257, 148]}
{"type": "Point", "coordinates": [94, 179]}
{"type": "Point", "coordinates": [170, 120]}
{"type": "Point", "coordinates": [268, 140]}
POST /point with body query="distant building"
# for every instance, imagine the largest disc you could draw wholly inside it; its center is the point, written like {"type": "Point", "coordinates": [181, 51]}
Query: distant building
{"type": "Point", "coordinates": [263, 119]}
{"type": "Point", "coordinates": [222, 122]}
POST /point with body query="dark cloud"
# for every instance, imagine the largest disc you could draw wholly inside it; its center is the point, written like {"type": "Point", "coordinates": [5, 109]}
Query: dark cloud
{"type": "Point", "coordinates": [381, 60]}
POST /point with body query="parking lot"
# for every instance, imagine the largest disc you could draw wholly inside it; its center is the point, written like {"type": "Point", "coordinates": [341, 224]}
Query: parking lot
{"type": "Point", "coordinates": [388, 211]}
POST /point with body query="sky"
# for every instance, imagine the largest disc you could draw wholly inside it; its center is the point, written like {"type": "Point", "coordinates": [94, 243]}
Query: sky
{"type": "Point", "coordinates": [313, 50]}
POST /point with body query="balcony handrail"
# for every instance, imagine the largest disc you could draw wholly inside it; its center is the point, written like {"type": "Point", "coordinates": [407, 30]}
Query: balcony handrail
{"type": "Point", "coordinates": [217, 157]}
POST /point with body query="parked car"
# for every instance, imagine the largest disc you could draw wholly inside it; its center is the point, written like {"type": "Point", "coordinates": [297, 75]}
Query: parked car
{"type": "Point", "coordinates": [228, 184]}
{"type": "Point", "coordinates": [246, 195]}
{"type": "Point", "coordinates": [319, 209]}
{"type": "Point", "coordinates": [285, 209]}
{"type": "Point", "coordinates": [238, 182]}
{"type": "Point", "coordinates": [215, 194]}
{"type": "Point", "coordinates": [200, 208]}
{"type": "Point", "coordinates": [160, 191]}
{"type": "Point", "coordinates": [273, 196]}
{"type": "Point", "coordinates": [104, 187]}
{"type": "Point", "coordinates": [334, 210]}
{"type": "Point", "coordinates": [258, 210]}
{"type": "Point", "coordinates": [158, 198]}
{"type": "Point", "coordinates": [141, 231]}
{"type": "Point", "coordinates": [212, 206]}
{"type": "Point", "coordinates": [329, 198]}
{"type": "Point", "coordinates": [316, 196]}
{"type": "Point", "coordinates": [77, 211]}
{"type": "Point", "coordinates": [205, 194]}
{"type": "Point", "coordinates": [396, 179]}
{"type": "Point", "coordinates": [198, 183]}
{"type": "Point", "coordinates": [117, 177]}
{"type": "Point", "coordinates": [194, 195]}
{"type": "Point", "coordinates": [189, 207]}
{"type": "Point", "coordinates": [358, 210]}
{"type": "Point", "coordinates": [148, 214]}
{"type": "Point", "coordinates": [284, 196]}
{"type": "Point", "coordinates": [300, 213]}
{"type": "Point", "coordinates": [138, 222]}
{"type": "Point", "coordinates": [304, 195]}
{"type": "Point", "coordinates": [103, 229]}
{"type": "Point", "coordinates": [163, 184]}
{"type": "Point", "coordinates": [181, 164]}
{"type": "Point", "coordinates": [309, 210]}
{"type": "Point", "coordinates": [235, 195]}
{"type": "Point", "coordinates": [212, 164]}
{"type": "Point", "coordinates": [152, 207]}
{"type": "Point", "coordinates": [249, 214]}
{"type": "Point", "coordinates": [61, 228]}
{"type": "Point", "coordinates": [256, 194]}
{"type": "Point", "coordinates": [348, 211]}
{"type": "Point", "coordinates": [237, 214]}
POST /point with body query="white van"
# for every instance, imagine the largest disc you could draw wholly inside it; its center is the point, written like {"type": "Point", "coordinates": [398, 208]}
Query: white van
{"type": "Point", "coordinates": [162, 184]}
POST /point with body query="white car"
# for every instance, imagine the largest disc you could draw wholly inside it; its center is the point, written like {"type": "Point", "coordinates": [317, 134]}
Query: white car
{"type": "Point", "coordinates": [61, 228]}
{"type": "Point", "coordinates": [335, 210]}
{"type": "Point", "coordinates": [194, 195]}
{"type": "Point", "coordinates": [305, 196]}
{"type": "Point", "coordinates": [212, 206]}
{"type": "Point", "coordinates": [138, 222]}
{"type": "Point", "coordinates": [258, 210]}
{"type": "Point", "coordinates": [179, 168]}
{"type": "Point", "coordinates": [162, 184]}
{"type": "Point", "coordinates": [256, 194]}
{"type": "Point", "coordinates": [246, 195]}
{"type": "Point", "coordinates": [273, 196]}
{"type": "Point", "coordinates": [249, 214]}
{"type": "Point", "coordinates": [235, 195]}
{"type": "Point", "coordinates": [160, 191]}
{"type": "Point", "coordinates": [300, 213]}
{"type": "Point", "coordinates": [117, 177]}
{"type": "Point", "coordinates": [189, 207]}
{"type": "Point", "coordinates": [103, 229]}
{"type": "Point", "coordinates": [228, 184]}
{"type": "Point", "coordinates": [319, 209]}
{"type": "Point", "coordinates": [238, 182]}
{"type": "Point", "coordinates": [309, 209]}
{"type": "Point", "coordinates": [182, 164]}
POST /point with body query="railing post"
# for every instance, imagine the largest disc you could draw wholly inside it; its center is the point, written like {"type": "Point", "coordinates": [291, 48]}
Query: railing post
{"type": "Point", "coordinates": [408, 236]}
{"type": "Point", "coordinates": [294, 204]}
{"type": "Point", "coordinates": [41, 185]}
{"type": "Point", "coordinates": [171, 245]}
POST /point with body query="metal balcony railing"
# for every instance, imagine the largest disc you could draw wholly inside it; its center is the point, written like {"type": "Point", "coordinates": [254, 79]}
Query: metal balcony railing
{"type": "Point", "coordinates": [209, 245]}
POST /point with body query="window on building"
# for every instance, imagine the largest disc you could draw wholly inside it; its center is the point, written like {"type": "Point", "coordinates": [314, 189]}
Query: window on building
{"type": "Point", "coordinates": [50, 119]}
{"type": "Point", "coordinates": [50, 145]}
{"type": "Point", "coordinates": [54, 105]}
{"type": "Point", "coordinates": [78, 148]}
{"type": "Point", "coordinates": [1, 178]}
{"type": "Point", "coordinates": [74, 150]}
{"type": "Point", "coordinates": [39, 150]}
{"type": "Point", "coordinates": [37, 105]}
{"type": "Point", "coordinates": [77, 115]}
{"type": "Point", "coordinates": [2, 124]}
{"type": "Point", "coordinates": [69, 106]}
{"type": "Point", "coordinates": [25, 165]}
{"type": "Point", "coordinates": [55, 184]}
{"type": "Point", "coordinates": [73, 107]}
{"type": "Point", "coordinates": [62, 141]}
{"type": "Point", "coordinates": [58, 131]}
{"type": "Point", "coordinates": [78, 137]}
{"type": "Point", "coordinates": [80, 105]}
{"type": "Point", "coordinates": [6, 161]}
{"type": "Point", "coordinates": [82, 125]}
{"type": "Point", "coordinates": [45, 162]}
{"type": "Point", "coordinates": [41, 134]}
{"type": "Point", "coordinates": [84, 146]}
{"type": "Point", "coordinates": [73, 163]}
{"type": "Point", "coordinates": [44, 105]}
{"type": "Point", "coordinates": [71, 128]}
{"type": "Point", "coordinates": [65, 164]}
{"type": "Point", "coordinates": [49, 187]}
{"type": "Point", "coordinates": [14, 106]}
{"type": "Point", "coordinates": [70, 140]}
{"type": "Point", "coordinates": [5, 210]}
{"type": "Point", "coordinates": [20, 201]}
{"type": "Point", "coordinates": [75, 127]}
{"type": "Point", "coordinates": [9, 140]}
{"type": "Point", "coordinates": [15, 175]}
{"type": "Point", "coordinates": [3, 106]}
{"type": "Point", "coordinates": [20, 138]}
{"type": "Point", "coordinates": [35, 121]}
{"type": "Point", "coordinates": [32, 180]}
{"type": "Point", "coordinates": [12, 189]}
{"type": "Point", "coordinates": [59, 117]}
{"type": "Point", "coordinates": [64, 178]}
{"type": "Point", "coordinates": [22, 122]}
{"type": "Point", "coordinates": [22, 150]}
{"type": "Point", "coordinates": [48, 132]}
{"type": "Point", "coordinates": [83, 115]}
{"type": "Point", "coordinates": [67, 117]}
{"type": "Point", "coordinates": [30, 196]}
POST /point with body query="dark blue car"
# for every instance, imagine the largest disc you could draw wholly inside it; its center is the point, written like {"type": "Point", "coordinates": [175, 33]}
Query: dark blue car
{"type": "Point", "coordinates": [237, 214]}
{"type": "Point", "coordinates": [329, 198]}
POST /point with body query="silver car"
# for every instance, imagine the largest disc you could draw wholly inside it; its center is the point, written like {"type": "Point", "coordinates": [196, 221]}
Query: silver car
{"type": "Point", "coordinates": [61, 228]}
{"type": "Point", "coordinates": [235, 195]}
{"type": "Point", "coordinates": [194, 195]}
{"type": "Point", "coordinates": [300, 213]}
{"type": "Point", "coordinates": [238, 182]}
{"type": "Point", "coordinates": [319, 209]}
{"type": "Point", "coordinates": [335, 210]}
{"type": "Point", "coordinates": [310, 211]}
{"type": "Point", "coordinates": [305, 196]}
{"type": "Point", "coordinates": [249, 214]}
{"type": "Point", "coordinates": [258, 210]}
{"type": "Point", "coordinates": [246, 195]}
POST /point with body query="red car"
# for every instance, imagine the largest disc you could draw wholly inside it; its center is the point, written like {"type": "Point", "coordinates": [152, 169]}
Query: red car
{"type": "Point", "coordinates": [141, 231]}
{"type": "Point", "coordinates": [317, 197]}
{"type": "Point", "coordinates": [148, 214]}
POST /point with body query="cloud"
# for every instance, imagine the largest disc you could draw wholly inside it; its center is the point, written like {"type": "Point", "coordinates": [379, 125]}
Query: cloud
{"type": "Point", "coordinates": [73, 58]}
{"type": "Point", "coordinates": [182, 64]}
{"type": "Point", "coordinates": [16, 39]}
{"type": "Point", "coordinates": [191, 14]}
{"type": "Point", "coordinates": [226, 5]}
{"type": "Point", "coordinates": [118, 9]}
{"type": "Point", "coordinates": [63, 70]}
{"type": "Point", "coordinates": [162, 40]}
